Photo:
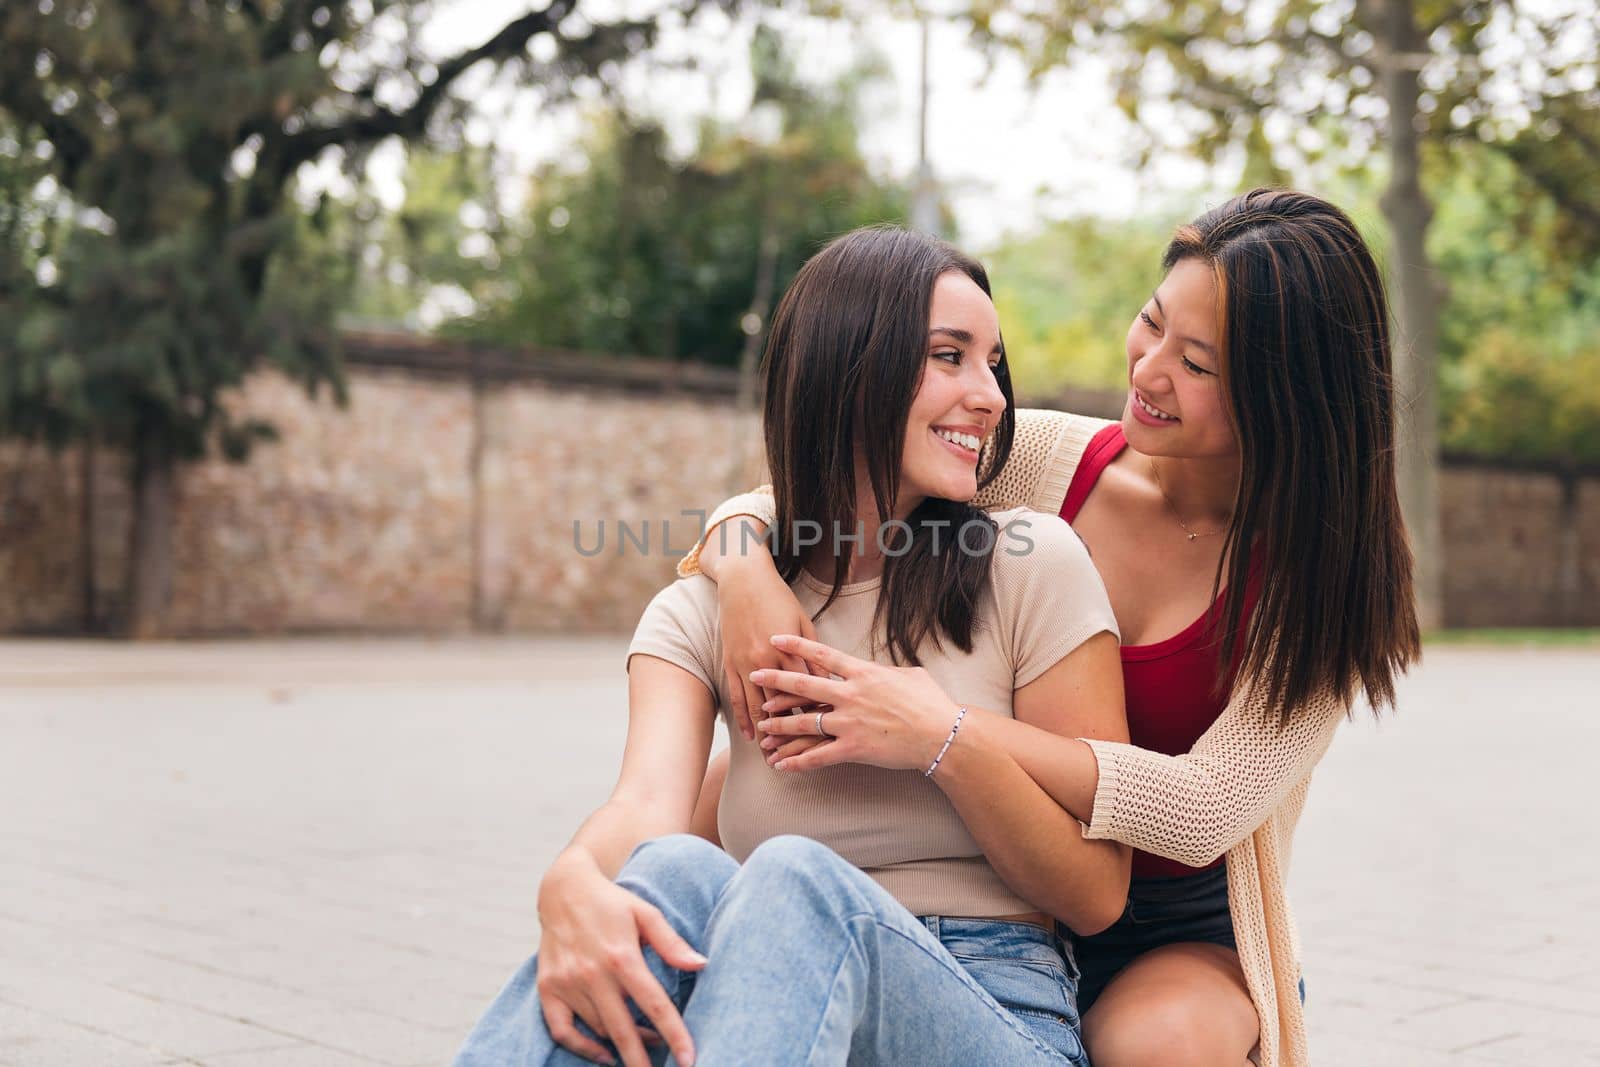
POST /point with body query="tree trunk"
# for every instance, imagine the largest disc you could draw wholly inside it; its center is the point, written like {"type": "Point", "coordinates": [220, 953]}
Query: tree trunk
{"type": "Point", "coordinates": [1569, 553]}
{"type": "Point", "coordinates": [86, 539]}
{"type": "Point", "coordinates": [1417, 298]}
{"type": "Point", "coordinates": [755, 331]}
{"type": "Point", "coordinates": [150, 537]}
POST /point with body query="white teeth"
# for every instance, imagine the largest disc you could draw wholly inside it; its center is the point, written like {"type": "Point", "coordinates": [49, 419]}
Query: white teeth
{"type": "Point", "coordinates": [965, 440]}
{"type": "Point", "coordinates": [1158, 414]}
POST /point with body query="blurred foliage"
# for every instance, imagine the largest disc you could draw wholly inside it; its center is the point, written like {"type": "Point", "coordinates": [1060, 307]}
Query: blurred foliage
{"type": "Point", "coordinates": [437, 253]}
{"type": "Point", "coordinates": [1511, 400]}
{"type": "Point", "coordinates": [630, 248]}
{"type": "Point", "coordinates": [1520, 319]}
{"type": "Point", "coordinates": [147, 148]}
{"type": "Point", "coordinates": [143, 278]}
{"type": "Point", "coordinates": [151, 254]}
{"type": "Point", "coordinates": [1285, 86]}
{"type": "Point", "coordinates": [1266, 78]}
{"type": "Point", "coordinates": [1067, 294]}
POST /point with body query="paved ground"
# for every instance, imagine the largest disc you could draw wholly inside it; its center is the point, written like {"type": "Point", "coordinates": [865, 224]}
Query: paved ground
{"type": "Point", "coordinates": [324, 853]}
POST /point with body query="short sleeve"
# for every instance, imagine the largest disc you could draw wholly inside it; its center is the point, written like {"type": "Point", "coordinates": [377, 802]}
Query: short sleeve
{"type": "Point", "coordinates": [1050, 598]}
{"type": "Point", "coordinates": [758, 504]}
{"type": "Point", "coordinates": [680, 626]}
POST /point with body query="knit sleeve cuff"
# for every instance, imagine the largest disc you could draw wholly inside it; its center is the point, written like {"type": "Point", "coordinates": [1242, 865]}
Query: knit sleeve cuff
{"type": "Point", "coordinates": [1051, 490]}
{"type": "Point", "coordinates": [1102, 820]}
{"type": "Point", "coordinates": [758, 504]}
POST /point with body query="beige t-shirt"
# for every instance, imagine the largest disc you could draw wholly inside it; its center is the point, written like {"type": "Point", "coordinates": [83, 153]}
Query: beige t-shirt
{"type": "Point", "coordinates": [1045, 599]}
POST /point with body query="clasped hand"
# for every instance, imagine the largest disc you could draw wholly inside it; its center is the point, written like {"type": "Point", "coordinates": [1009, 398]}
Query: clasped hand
{"type": "Point", "coordinates": [591, 964]}
{"type": "Point", "coordinates": [872, 713]}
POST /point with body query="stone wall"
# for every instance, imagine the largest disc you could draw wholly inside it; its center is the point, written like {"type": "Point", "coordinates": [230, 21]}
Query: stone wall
{"type": "Point", "coordinates": [425, 505]}
{"type": "Point", "coordinates": [43, 564]}
{"type": "Point", "coordinates": [1522, 547]}
{"type": "Point", "coordinates": [451, 496]}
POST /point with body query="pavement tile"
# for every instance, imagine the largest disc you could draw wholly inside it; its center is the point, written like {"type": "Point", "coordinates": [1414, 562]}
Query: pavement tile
{"type": "Point", "coordinates": [31, 1039]}
{"type": "Point", "coordinates": [378, 1037]}
{"type": "Point", "coordinates": [1355, 1049]}
{"type": "Point", "coordinates": [140, 1020]}
{"type": "Point", "coordinates": [212, 876]}
{"type": "Point", "coordinates": [1535, 1049]}
{"type": "Point", "coordinates": [300, 1055]}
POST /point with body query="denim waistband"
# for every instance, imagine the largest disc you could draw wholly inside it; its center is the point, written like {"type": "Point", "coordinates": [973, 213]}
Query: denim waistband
{"type": "Point", "coordinates": [947, 925]}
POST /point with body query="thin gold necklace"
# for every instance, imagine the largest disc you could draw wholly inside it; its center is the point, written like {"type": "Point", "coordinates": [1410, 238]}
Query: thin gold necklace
{"type": "Point", "coordinates": [1174, 508]}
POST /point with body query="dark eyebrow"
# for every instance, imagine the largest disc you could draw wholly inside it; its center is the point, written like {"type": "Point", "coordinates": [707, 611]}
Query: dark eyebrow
{"type": "Point", "coordinates": [962, 336]}
{"type": "Point", "coordinates": [1212, 352]}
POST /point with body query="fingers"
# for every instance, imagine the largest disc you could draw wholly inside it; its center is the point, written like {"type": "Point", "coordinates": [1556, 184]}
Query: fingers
{"type": "Point", "coordinates": [803, 725]}
{"type": "Point", "coordinates": [828, 658]}
{"type": "Point", "coordinates": [653, 1001]}
{"type": "Point", "coordinates": [783, 702]}
{"type": "Point", "coordinates": [794, 663]}
{"type": "Point", "coordinates": [782, 750]}
{"type": "Point", "coordinates": [816, 690]}
{"type": "Point", "coordinates": [668, 943]}
{"type": "Point", "coordinates": [738, 703]}
{"type": "Point", "coordinates": [647, 992]}
{"type": "Point", "coordinates": [827, 754]}
{"type": "Point", "coordinates": [564, 1031]}
{"type": "Point", "coordinates": [621, 1028]}
{"type": "Point", "coordinates": [753, 697]}
{"type": "Point", "coordinates": [790, 662]}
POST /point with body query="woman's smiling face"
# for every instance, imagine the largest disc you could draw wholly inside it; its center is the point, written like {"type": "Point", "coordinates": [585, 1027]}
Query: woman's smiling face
{"type": "Point", "coordinates": [1175, 402]}
{"type": "Point", "coordinates": [958, 401]}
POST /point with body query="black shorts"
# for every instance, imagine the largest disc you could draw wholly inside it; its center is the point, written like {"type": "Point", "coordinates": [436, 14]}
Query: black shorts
{"type": "Point", "coordinates": [1160, 911]}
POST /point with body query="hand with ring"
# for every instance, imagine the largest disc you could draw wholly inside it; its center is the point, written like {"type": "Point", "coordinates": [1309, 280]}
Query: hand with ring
{"type": "Point", "coordinates": [778, 747]}
{"type": "Point", "coordinates": [883, 716]}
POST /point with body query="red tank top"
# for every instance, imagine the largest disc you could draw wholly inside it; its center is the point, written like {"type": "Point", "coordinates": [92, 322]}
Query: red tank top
{"type": "Point", "coordinates": [1168, 685]}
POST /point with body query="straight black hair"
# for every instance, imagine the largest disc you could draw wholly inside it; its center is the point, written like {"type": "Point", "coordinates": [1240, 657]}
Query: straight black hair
{"type": "Point", "coordinates": [1307, 370]}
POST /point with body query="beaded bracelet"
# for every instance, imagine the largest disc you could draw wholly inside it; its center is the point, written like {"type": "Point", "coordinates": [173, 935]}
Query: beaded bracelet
{"type": "Point", "coordinates": [962, 714]}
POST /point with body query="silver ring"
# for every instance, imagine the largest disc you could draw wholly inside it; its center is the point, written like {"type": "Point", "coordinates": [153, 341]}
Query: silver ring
{"type": "Point", "coordinates": [820, 731]}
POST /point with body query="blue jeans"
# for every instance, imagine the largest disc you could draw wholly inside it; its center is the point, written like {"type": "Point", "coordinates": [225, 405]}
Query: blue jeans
{"type": "Point", "coordinates": [811, 962]}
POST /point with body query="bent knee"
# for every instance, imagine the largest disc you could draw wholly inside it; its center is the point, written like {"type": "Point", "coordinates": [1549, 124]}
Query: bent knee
{"type": "Point", "coordinates": [1163, 1032]}
{"type": "Point", "coordinates": [791, 853]}
{"type": "Point", "coordinates": [796, 865]}
{"type": "Point", "coordinates": [681, 858]}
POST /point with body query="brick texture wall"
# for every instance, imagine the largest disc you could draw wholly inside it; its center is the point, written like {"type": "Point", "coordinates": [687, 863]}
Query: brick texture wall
{"type": "Point", "coordinates": [446, 502]}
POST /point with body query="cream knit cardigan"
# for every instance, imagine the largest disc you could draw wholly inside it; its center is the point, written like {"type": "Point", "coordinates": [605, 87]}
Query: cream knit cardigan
{"type": "Point", "coordinates": [1238, 792]}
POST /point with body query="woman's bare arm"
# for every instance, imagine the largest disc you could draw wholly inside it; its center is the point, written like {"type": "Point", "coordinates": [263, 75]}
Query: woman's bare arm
{"type": "Point", "coordinates": [753, 602]}
{"type": "Point", "coordinates": [590, 957]}
{"type": "Point", "coordinates": [1036, 846]}
{"type": "Point", "coordinates": [898, 718]}
{"type": "Point", "coordinates": [671, 717]}
{"type": "Point", "coordinates": [704, 823]}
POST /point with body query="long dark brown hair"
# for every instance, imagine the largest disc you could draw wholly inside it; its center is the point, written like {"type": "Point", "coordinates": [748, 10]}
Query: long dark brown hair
{"type": "Point", "coordinates": [844, 358]}
{"type": "Point", "coordinates": [1306, 372]}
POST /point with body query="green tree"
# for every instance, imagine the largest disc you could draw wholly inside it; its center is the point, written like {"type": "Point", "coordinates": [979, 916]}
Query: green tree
{"type": "Point", "coordinates": [638, 251]}
{"type": "Point", "coordinates": [1067, 294]}
{"type": "Point", "coordinates": [1520, 328]}
{"type": "Point", "coordinates": [171, 133]}
{"type": "Point", "coordinates": [1396, 75]}
{"type": "Point", "coordinates": [436, 255]}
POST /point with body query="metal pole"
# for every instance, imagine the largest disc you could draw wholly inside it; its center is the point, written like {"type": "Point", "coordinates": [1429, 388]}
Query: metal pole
{"type": "Point", "coordinates": [925, 197]}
